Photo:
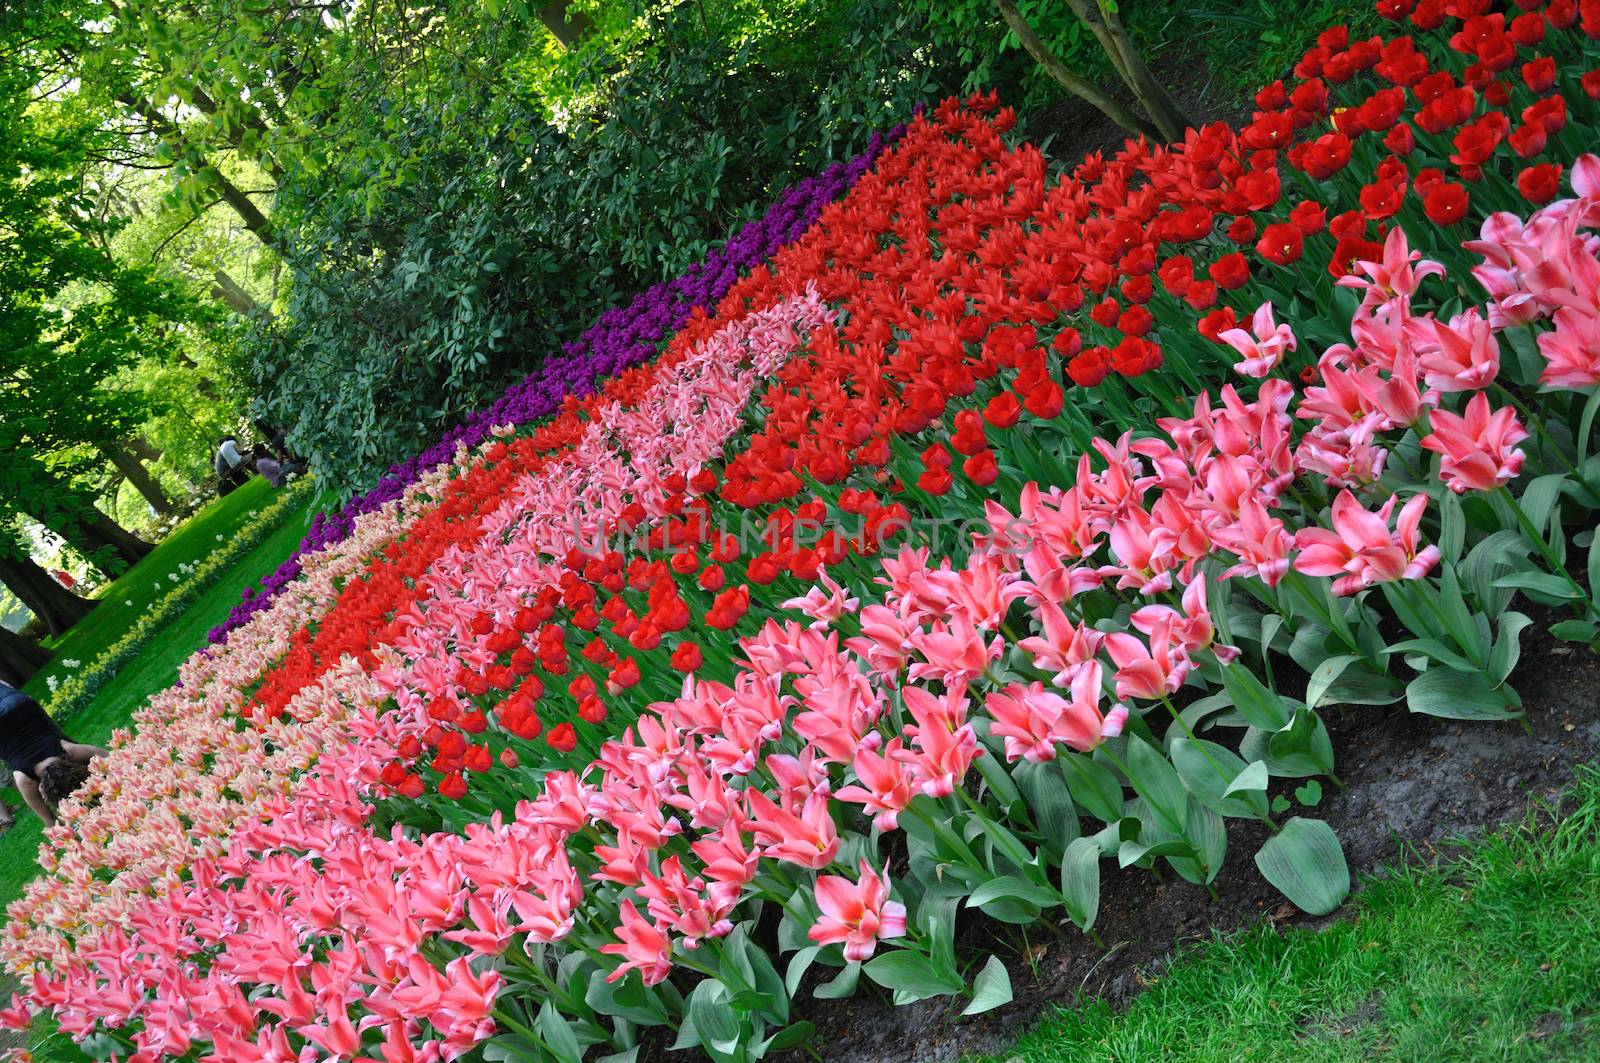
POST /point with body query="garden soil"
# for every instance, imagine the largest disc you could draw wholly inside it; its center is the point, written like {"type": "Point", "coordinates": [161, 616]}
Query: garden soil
{"type": "Point", "coordinates": [1413, 784]}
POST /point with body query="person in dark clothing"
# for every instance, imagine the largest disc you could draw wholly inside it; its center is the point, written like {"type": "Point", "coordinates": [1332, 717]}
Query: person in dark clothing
{"type": "Point", "coordinates": [46, 766]}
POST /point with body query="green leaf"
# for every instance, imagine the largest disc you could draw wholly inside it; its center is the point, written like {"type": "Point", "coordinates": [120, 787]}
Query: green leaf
{"type": "Point", "coordinates": [714, 1019]}
{"type": "Point", "coordinates": [799, 963]}
{"type": "Point", "coordinates": [909, 973]}
{"type": "Point", "coordinates": [1309, 794]}
{"type": "Point", "coordinates": [991, 989]}
{"type": "Point", "coordinates": [557, 1034]}
{"type": "Point", "coordinates": [1576, 630]}
{"type": "Point", "coordinates": [1324, 675]}
{"type": "Point", "coordinates": [1093, 786]}
{"type": "Point", "coordinates": [1013, 887]}
{"type": "Point", "coordinates": [1507, 645]}
{"type": "Point", "coordinates": [1456, 695]}
{"type": "Point", "coordinates": [841, 986]}
{"type": "Point", "coordinates": [1156, 780]}
{"type": "Point", "coordinates": [1452, 527]}
{"type": "Point", "coordinates": [1257, 704]}
{"type": "Point", "coordinates": [1050, 802]}
{"type": "Point", "coordinates": [1306, 864]}
{"type": "Point", "coordinates": [1211, 773]}
{"type": "Point", "coordinates": [1253, 777]}
{"type": "Point", "coordinates": [1080, 881]}
{"type": "Point", "coordinates": [1539, 585]}
{"type": "Point", "coordinates": [792, 1036]}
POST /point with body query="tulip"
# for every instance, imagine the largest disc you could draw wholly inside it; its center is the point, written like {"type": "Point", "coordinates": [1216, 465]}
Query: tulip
{"type": "Point", "coordinates": [1478, 451]}
{"type": "Point", "coordinates": [859, 913]}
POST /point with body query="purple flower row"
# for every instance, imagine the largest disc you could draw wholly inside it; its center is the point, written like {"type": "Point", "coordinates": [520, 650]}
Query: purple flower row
{"type": "Point", "coordinates": [623, 336]}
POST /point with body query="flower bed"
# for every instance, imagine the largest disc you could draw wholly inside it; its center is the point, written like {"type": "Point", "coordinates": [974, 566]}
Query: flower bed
{"type": "Point", "coordinates": [1000, 524]}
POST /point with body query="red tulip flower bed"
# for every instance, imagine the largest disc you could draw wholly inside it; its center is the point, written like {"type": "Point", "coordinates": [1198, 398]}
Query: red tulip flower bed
{"type": "Point", "coordinates": [1006, 523]}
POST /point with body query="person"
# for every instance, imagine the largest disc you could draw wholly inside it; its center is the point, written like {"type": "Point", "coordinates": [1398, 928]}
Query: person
{"type": "Point", "coordinates": [230, 465]}
{"type": "Point", "coordinates": [46, 766]}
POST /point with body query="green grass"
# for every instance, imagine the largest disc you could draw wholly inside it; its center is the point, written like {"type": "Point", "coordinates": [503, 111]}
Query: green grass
{"type": "Point", "coordinates": [149, 581]}
{"type": "Point", "coordinates": [156, 668]}
{"type": "Point", "coordinates": [1493, 954]}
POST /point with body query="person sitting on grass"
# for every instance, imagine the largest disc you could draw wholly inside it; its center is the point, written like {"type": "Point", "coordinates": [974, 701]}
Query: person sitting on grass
{"type": "Point", "coordinates": [46, 766]}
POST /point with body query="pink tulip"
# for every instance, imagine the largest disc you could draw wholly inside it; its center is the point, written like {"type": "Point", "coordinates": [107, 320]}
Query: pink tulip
{"type": "Point", "coordinates": [1261, 352]}
{"type": "Point", "coordinates": [645, 945]}
{"type": "Point", "coordinates": [860, 913]}
{"type": "Point", "coordinates": [1460, 356]}
{"type": "Point", "coordinates": [1260, 542]}
{"type": "Point", "coordinates": [1393, 277]}
{"type": "Point", "coordinates": [1361, 550]}
{"type": "Point", "coordinates": [887, 784]}
{"type": "Point", "coordinates": [1148, 671]}
{"type": "Point", "coordinates": [1571, 350]}
{"type": "Point", "coordinates": [808, 838]}
{"type": "Point", "coordinates": [1477, 452]}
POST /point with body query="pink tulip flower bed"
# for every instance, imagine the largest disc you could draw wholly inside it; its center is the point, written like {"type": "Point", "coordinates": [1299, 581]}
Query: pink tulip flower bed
{"type": "Point", "coordinates": [1006, 523]}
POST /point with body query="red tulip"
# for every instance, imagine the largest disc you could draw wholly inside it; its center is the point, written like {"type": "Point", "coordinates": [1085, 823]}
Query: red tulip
{"type": "Point", "coordinates": [563, 738]}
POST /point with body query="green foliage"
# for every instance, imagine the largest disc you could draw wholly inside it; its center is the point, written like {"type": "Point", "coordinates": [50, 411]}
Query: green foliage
{"type": "Point", "coordinates": [1491, 954]}
{"type": "Point", "coordinates": [466, 233]}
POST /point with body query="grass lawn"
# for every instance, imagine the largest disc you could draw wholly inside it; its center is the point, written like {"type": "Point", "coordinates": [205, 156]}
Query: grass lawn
{"type": "Point", "coordinates": [149, 581]}
{"type": "Point", "coordinates": [1494, 954]}
{"type": "Point", "coordinates": [157, 667]}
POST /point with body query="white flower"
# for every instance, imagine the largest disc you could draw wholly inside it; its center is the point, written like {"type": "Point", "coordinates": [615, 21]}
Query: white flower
{"type": "Point", "coordinates": [127, 601]}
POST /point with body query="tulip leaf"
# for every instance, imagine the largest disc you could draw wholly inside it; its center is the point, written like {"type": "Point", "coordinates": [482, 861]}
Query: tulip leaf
{"type": "Point", "coordinates": [1457, 695]}
{"type": "Point", "coordinates": [1305, 863]}
{"type": "Point", "coordinates": [1258, 705]}
{"type": "Point", "coordinates": [910, 975]}
{"type": "Point", "coordinates": [1324, 675]}
{"type": "Point", "coordinates": [1207, 841]}
{"type": "Point", "coordinates": [841, 986]}
{"type": "Point", "coordinates": [1300, 749]}
{"type": "Point", "coordinates": [556, 1032]}
{"type": "Point", "coordinates": [991, 989]}
{"type": "Point", "coordinates": [1093, 786]}
{"type": "Point", "coordinates": [715, 1023]}
{"type": "Point", "coordinates": [1452, 527]}
{"type": "Point", "coordinates": [1507, 645]}
{"type": "Point", "coordinates": [1045, 788]}
{"type": "Point", "coordinates": [1458, 619]}
{"type": "Point", "coordinates": [1254, 777]}
{"type": "Point", "coordinates": [792, 1036]}
{"type": "Point", "coordinates": [1498, 554]}
{"type": "Point", "coordinates": [1156, 780]}
{"type": "Point", "coordinates": [1576, 630]}
{"type": "Point", "coordinates": [1080, 881]}
{"type": "Point", "coordinates": [1211, 771]}
{"type": "Point", "coordinates": [1013, 887]}
{"type": "Point", "coordinates": [1539, 585]}
{"type": "Point", "coordinates": [799, 963]}
{"type": "Point", "coordinates": [1308, 648]}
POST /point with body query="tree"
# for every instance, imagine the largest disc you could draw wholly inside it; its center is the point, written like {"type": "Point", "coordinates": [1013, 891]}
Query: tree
{"type": "Point", "coordinates": [20, 657]}
{"type": "Point", "coordinates": [55, 606]}
{"type": "Point", "coordinates": [1058, 70]}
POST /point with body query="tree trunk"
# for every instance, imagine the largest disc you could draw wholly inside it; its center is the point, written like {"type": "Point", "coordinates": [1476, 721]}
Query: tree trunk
{"type": "Point", "coordinates": [140, 478]}
{"type": "Point", "coordinates": [100, 530]}
{"type": "Point", "coordinates": [140, 446]}
{"type": "Point", "coordinates": [1107, 27]}
{"type": "Point", "coordinates": [20, 657]}
{"type": "Point", "coordinates": [55, 606]}
{"type": "Point", "coordinates": [566, 27]}
{"type": "Point", "coordinates": [231, 194]}
{"type": "Point", "coordinates": [1110, 107]}
{"type": "Point", "coordinates": [230, 292]}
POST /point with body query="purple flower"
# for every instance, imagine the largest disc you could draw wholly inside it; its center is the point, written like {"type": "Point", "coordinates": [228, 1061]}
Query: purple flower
{"type": "Point", "coordinates": [622, 337]}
